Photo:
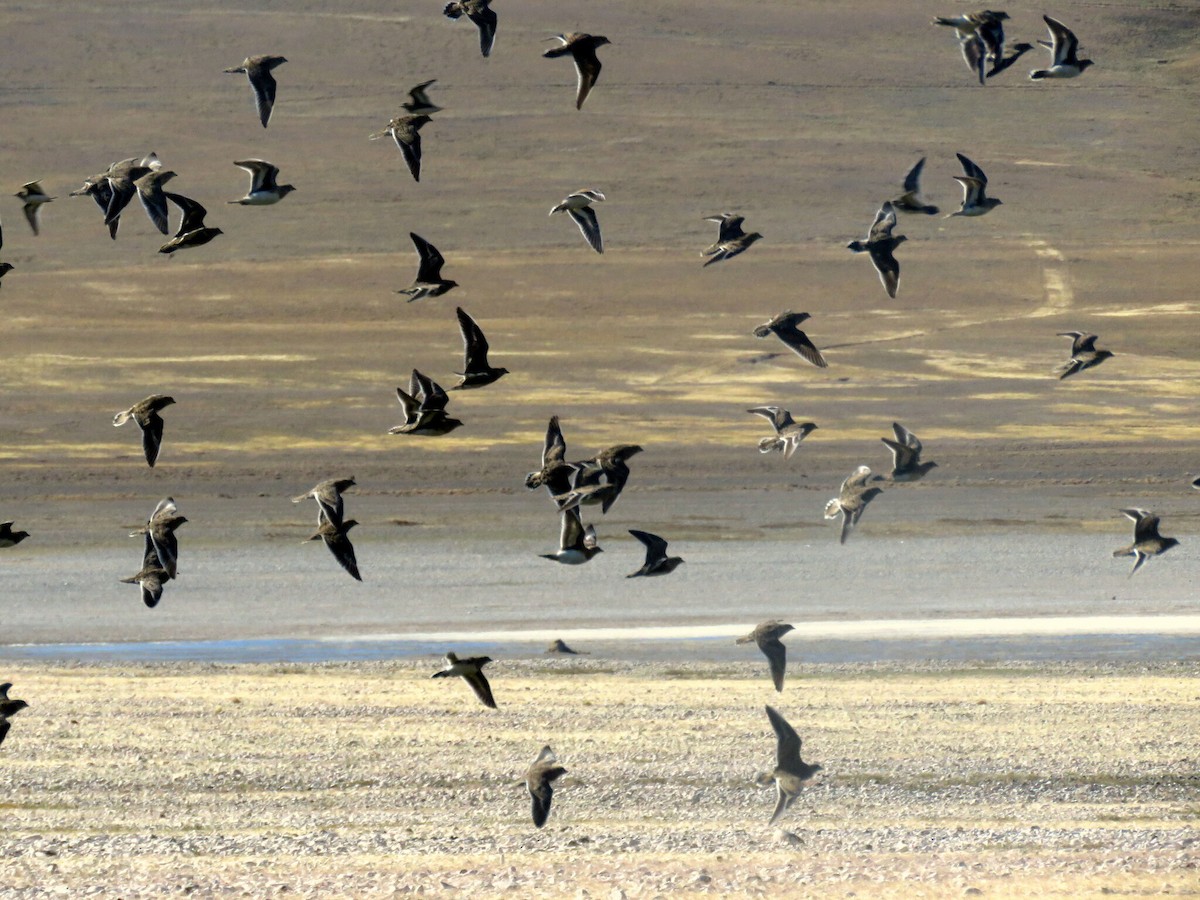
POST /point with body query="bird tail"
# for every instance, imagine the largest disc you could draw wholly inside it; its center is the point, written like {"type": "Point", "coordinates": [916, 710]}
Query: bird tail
{"type": "Point", "coordinates": [122, 417]}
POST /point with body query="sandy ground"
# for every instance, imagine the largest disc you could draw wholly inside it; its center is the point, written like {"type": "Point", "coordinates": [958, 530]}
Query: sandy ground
{"type": "Point", "coordinates": [282, 342]}
{"type": "Point", "coordinates": [363, 780]}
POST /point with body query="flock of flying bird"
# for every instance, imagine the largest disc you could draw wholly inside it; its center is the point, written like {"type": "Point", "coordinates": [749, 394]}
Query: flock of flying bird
{"type": "Point", "coordinates": [596, 481]}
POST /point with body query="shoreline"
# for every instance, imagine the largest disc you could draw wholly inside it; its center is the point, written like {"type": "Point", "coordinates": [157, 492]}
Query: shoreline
{"type": "Point", "coordinates": [995, 639]}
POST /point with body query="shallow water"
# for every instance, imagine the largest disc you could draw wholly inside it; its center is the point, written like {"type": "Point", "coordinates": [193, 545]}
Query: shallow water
{"type": "Point", "coordinates": [1084, 647]}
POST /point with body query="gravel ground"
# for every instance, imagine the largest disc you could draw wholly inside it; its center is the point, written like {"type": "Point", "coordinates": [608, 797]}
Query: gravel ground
{"type": "Point", "coordinates": [368, 779]}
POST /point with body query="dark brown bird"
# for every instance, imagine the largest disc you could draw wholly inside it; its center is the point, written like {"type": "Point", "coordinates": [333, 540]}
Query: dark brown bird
{"type": "Point", "coordinates": [600, 480]}
{"type": "Point", "coordinates": [576, 544]}
{"type": "Point", "coordinates": [791, 772]}
{"type": "Point", "coordinates": [539, 781]}
{"type": "Point", "coordinates": [5, 268]}
{"type": "Point", "coordinates": [788, 432]}
{"type": "Point", "coordinates": [10, 538]}
{"type": "Point", "coordinates": [911, 200]}
{"type": "Point", "coordinates": [906, 456]}
{"type": "Point", "coordinates": [657, 562]}
{"type": "Point", "coordinates": [783, 326]}
{"type": "Point", "coordinates": [258, 71]}
{"type": "Point", "coordinates": [32, 196]}
{"type": "Point", "coordinates": [159, 533]}
{"type": "Point", "coordinates": [429, 281]}
{"type": "Point", "coordinates": [336, 538]}
{"type": "Point", "coordinates": [476, 372]}
{"type": "Point", "coordinates": [1147, 542]}
{"type": "Point", "coordinates": [766, 636]}
{"type": "Point", "coordinates": [880, 245]}
{"type": "Point", "coordinates": [424, 406]}
{"type": "Point", "coordinates": [555, 474]}
{"type": "Point", "coordinates": [582, 48]}
{"type": "Point", "coordinates": [852, 499]}
{"type": "Point", "coordinates": [150, 577]}
{"type": "Point", "coordinates": [10, 708]}
{"type": "Point", "coordinates": [328, 495]}
{"type": "Point", "coordinates": [471, 671]}
{"type": "Point", "coordinates": [731, 239]}
{"type": "Point", "coordinates": [146, 414]}
{"type": "Point", "coordinates": [192, 230]}
{"type": "Point", "coordinates": [406, 132]}
{"type": "Point", "coordinates": [480, 13]}
{"type": "Point", "coordinates": [1084, 354]}
{"type": "Point", "coordinates": [418, 102]}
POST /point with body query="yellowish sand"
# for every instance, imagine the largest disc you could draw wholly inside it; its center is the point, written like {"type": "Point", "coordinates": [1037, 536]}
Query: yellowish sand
{"type": "Point", "coordinates": [360, 780]}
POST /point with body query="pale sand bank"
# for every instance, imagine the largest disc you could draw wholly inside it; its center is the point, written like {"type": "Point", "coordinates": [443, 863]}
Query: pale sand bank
{"type": "Point", "coordinates": [370, 779]}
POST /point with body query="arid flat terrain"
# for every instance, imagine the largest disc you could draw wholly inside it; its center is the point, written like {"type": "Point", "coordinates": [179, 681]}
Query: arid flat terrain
{"type": "Point", "coordinates": [371, 780]}
{"type": "Point", "coordinates": [283, 341]}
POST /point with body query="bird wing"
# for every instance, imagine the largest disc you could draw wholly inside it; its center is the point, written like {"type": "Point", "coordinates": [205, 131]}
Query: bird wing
{"type": "Point", "coordinates": [781, 804]}
{"type": "Point", "coordinates": [589, 226]}
{"type": "Point", "coordinates": [150, 193]}
{"type": "Point", "coordinates": [485, 20]}
{"type": "Point", "coordinates": [799, 343]}
{"type": "Point", "coordinates": [166, 547]}
{"type": "Point", "coordinates": [906, 437]}
{"type": "Point", "coordinates": [656, 547]}
{"type": "Point", "coordinates": [903, 457]}
{"type": "Point", "coordinates": [886, 266]}
{"type": "Point", "coordinates": [885, 221]}
{"type": "Point", "coordinates": [418, 96]}
{"type": "Point", "coordinates": [729, 226]}
{"type": "Point", "coordinates": [152, 432]}
{"type": "Point", "coordinates": [152, 589]}
{"type": "Point", "coordinates": [31, 215]}
{"type": "Point", "coordinates": [856, 479]}
{"type": "Point", "coordinates": [262, 174]}
{"type": "Point", "coordinates": [430, 267]}
{"type": "Point", "coordinates": [475, 344]}
{"type": "Point", "coordinates": [972, 189]}
{"type": "Point", "coordinates": [431, 394]}
{"type": "Point", "coordinates": [1146, 528]}
{"type": "Point", "coordinates": [772, 414]}
{"type": "Point", "coordinates": [571, 531]}
{"type": "Point", "coordinates": [193, 213]}
{"type": "Point", "coordinates": [991, 34]}
{"type": "Point", "coordinates": [541, 792]}
{"type": "Point", "coordinates": [912, 181]}
{"type": "Point", "coordinates": [483, 690]}
{"type": "Point", "coordinates": [1064, 43]}
{"type": "Point", "coordinates": [339, 545]}
{"type": "Point", "coordinates": [587, 70]}
{"type": "Point", "coordinates": [970, 169]}
{"type": "Point", "coordinates": [776, 654]}
{"type": "Point", "coordinates": [555, 447]}
{"type": "Point", "coordinates": [847, 524]}
{"type": "Point", "coordinates": [787, 748]}
{"type": "Point", "coordinates": [408, 404]}
{"type": "Point", "coordinates": [121, 192]}
{"type": "Point", "coordinates": [974, 53]}
{"type": "Point", "coordinates": [263, 83]}
{"type": "Point", "coordinates": [408, 139]}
